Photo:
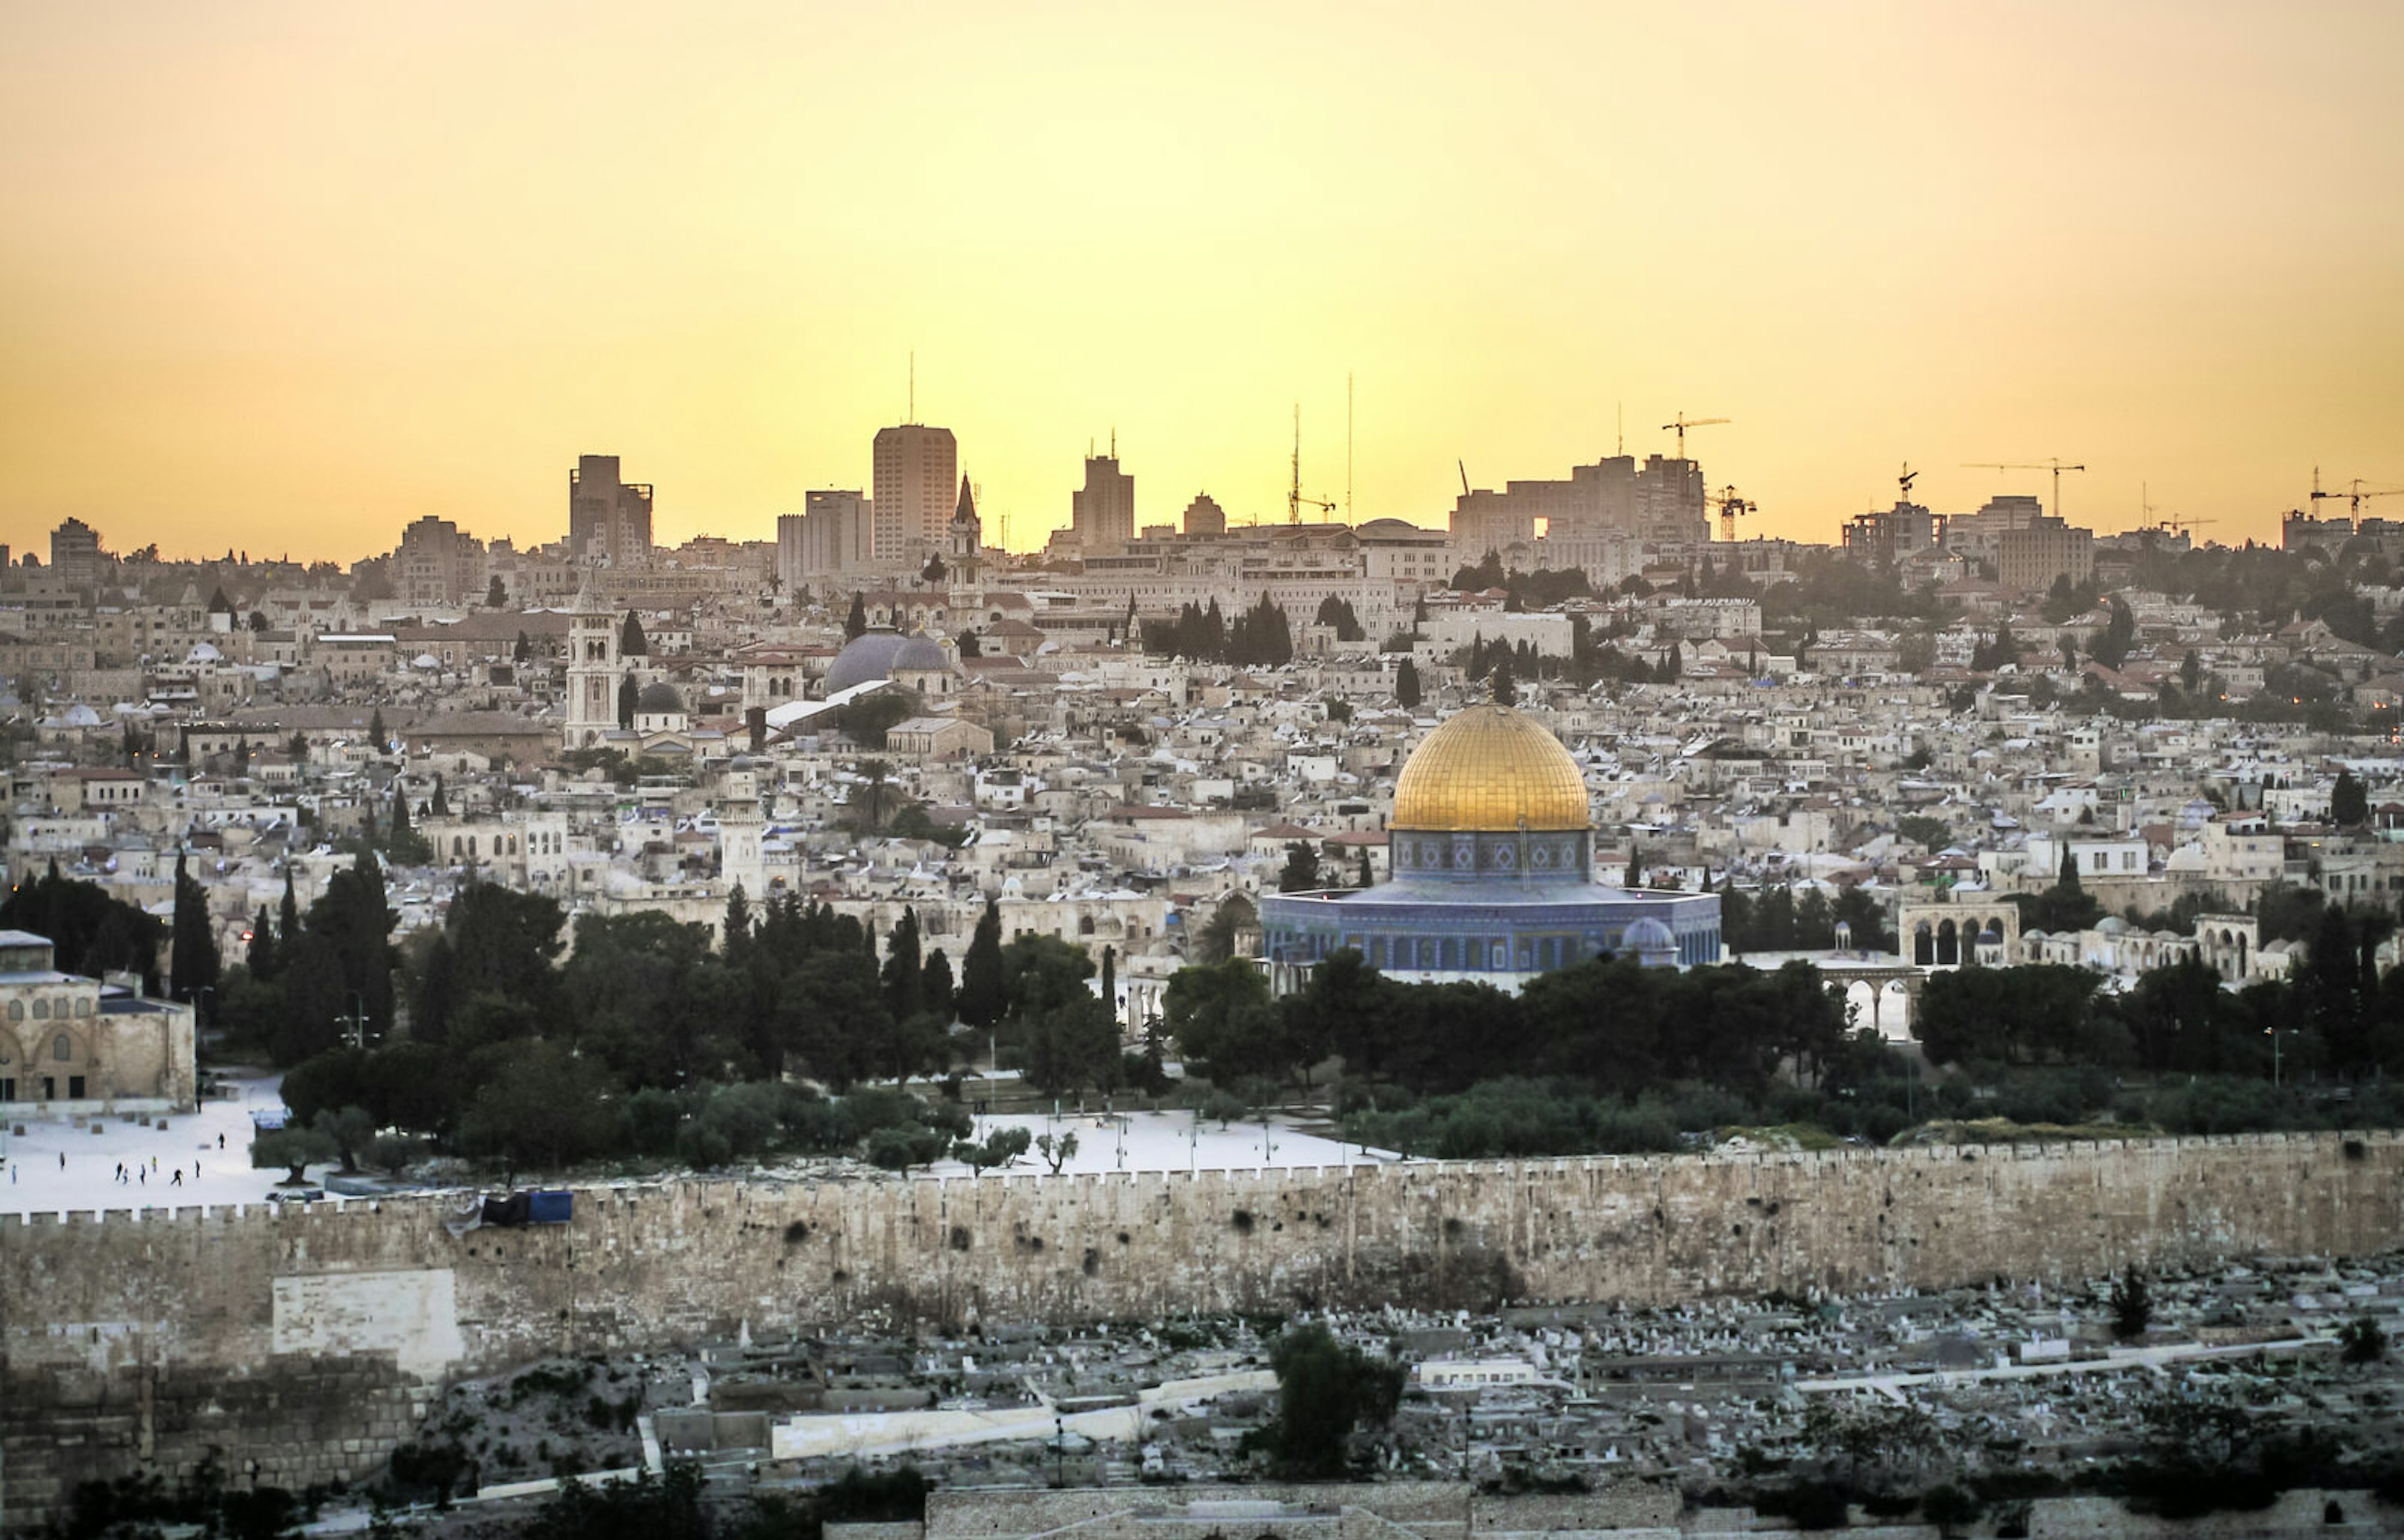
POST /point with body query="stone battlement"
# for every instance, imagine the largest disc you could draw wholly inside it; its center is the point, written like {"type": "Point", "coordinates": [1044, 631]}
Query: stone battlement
{"type": "Point", "coordinates": [227, 1325]}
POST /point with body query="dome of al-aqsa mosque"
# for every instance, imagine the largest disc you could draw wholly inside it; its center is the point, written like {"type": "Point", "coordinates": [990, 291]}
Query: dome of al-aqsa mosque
{"type": "Point", "coordinates": [1490, 851]}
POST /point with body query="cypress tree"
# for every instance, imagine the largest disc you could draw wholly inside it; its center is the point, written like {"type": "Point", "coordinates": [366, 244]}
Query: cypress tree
{"type": "Point", "coordinates": [855, 625]}
{"type": "Point", "coordinates": [903, 967]}
{"type": "Point", "coordinates": [193, 962]}
{"type": "Point", "coordinates": [260, 956]}
{"type": "Point", "coordinates": [985, 992]}
{"type": "Point", "coordinates": [735, 936]}
{"type": "Point", "coordinates": [935, 984]}
{"type": "Point", "coordinates": [287, 927]}
{"type": "Point", "coordinates": [1406, 684]}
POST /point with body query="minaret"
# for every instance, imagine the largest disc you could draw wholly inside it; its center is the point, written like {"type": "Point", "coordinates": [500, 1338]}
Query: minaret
{"type": "Point", "coordinates": [741, 829]}
{"type": "Point", "coordinates": [592, 668]}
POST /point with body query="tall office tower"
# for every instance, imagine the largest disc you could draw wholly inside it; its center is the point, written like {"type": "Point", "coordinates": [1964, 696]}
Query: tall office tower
{"type": "Point", "coordinates": [1204, 516]}
{"type": "Point", "coordinates": [792, 531]}
{"type": "Point", "coordinates": [607, 520]}
{"type": "Point", "coordinates": [438, 563]}
{"type": "Point", "coordinates": [1669, 500]}
{"type": "Point", "coordinates": [917, 470]}
{"type": "Point", "coordinates": [75, 553]}
{"type": "Point", "coordinates": [1102, 512]}
{"type": "Point", "coordinates": [838, 534]}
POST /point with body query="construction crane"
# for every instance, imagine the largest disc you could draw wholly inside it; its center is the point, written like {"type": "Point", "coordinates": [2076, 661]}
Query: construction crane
{"type": "Point", "coordinates": [2054, 466]}
{"type": "Point", "coordinates": [1904, 482]}
{"type": "Point", "coordinates": [2165, 527]}
{"type": "Point", "coordinates": [1682, 422]}
{"type": "Point", "coordinates": [1730, 507]}
{"type": "Point", "coordinates": [1293, 498]}
{"type": "Point", "coordinates": [2353, 498]}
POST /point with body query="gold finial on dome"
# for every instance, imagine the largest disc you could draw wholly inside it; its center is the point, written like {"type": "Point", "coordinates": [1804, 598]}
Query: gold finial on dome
{"type": "Point", "coordinates": [1491, 768]}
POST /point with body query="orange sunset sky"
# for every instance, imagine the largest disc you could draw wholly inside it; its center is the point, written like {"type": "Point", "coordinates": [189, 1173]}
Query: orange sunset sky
{"type": "Point", "coordinates": [282, 277]}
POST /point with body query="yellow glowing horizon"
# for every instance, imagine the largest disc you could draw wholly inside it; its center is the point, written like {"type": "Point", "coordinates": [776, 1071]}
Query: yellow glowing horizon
{"type": "Point", "coordinates": [284, 277]}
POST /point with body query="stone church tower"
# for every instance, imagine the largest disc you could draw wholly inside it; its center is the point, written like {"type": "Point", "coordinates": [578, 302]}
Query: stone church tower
{"type": "Point", "coordinates": [592, 669]}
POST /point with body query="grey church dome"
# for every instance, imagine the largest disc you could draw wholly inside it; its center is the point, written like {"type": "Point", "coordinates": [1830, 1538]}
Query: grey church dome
{"type": "Point", "coordinates": [658, 696]}
{"type": "Point", "coordinates": [877, 654]}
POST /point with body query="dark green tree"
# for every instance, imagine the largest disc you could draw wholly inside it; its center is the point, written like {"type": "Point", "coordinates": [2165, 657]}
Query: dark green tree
{"type": "Point", "coordinates": [260, 955]}
{"type": "Point", "coordinates": [855, 625]}
{"type": "Point", "coordinates": [402, 842]}
{"type": "Point", "coordinates": [1406, 684]}
{"type": "Point", "coordinates": [1300, 873]}
{"type": "Point", "coordinates": [287, 914]}
{"type": "Point", "coordinates": [935, 986]}
{"type": "Point", "coordinates": [2133, 1305]}
{"type": "Point", "coordinates": [193, 962]}
{"type": "Point", "coordinates": [538, 1104]}
{"type": "Point", "coordinates": [1064, 1035]}
{"type": "Point", "coordinates": [984, 988]}
{"type": "Point", "coordinates": [1326, 1390]}
{"type": "Point", "coordinates": [2349, 803]}
{"type": "Point", "coordinates": [904, 972]}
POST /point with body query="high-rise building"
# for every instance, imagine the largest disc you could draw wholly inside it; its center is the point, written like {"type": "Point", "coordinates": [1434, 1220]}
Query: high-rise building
{"type": "Point", "coordinates": [834, 534]}
{"type": "Point", "coordinates": [608, 520]}
{"type": "Point", "coordinates": [1102, 512]}
{"type": "Point", "coordinates": [918, 468]}
{"type": "Point", "coordinates": [438, 563]}
{"type": "Point", "coordinates": [1204, 516]}
{"type": "Point", "coordinates": [2030, 558]}
{"type": "Point", "coordinates": [1885, 535]}
{"type": "Point", "coordinates": [75, 553]}
{"type": "Point", "coordinates": [1660, 501]}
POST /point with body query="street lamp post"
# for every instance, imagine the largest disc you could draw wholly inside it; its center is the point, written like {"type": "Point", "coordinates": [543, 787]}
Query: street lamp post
{"type": "Point", "coordinates": [2275, 1033]}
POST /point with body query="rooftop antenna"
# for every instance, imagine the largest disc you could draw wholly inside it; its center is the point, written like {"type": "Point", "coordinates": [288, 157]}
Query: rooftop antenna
{"type": "Point", "coordinates": [1464, 476]}
{"type": "Point", "coordinates": [1906, 480]}
{"type": "Point", "coordinates": [913, 413]}
{"type": "Point", "coordinates": [1348, 446]}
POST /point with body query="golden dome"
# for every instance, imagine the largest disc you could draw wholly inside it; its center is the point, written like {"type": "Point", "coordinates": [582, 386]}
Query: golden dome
{"type": "Point", "coordinates": [1490, 768]}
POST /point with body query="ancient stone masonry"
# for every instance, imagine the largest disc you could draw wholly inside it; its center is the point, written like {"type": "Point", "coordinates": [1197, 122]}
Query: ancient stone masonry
{"type": "Point", "coordinates": [304, 1340]}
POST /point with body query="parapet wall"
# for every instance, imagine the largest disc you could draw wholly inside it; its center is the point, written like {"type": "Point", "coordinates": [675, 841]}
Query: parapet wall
{"type": "Point", "coordinates": [154, 1337]}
